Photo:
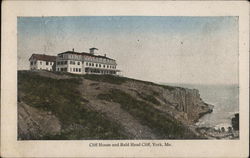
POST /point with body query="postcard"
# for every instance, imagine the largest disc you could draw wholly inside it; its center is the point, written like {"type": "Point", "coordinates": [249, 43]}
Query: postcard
{"type": "Point", "coordinates": [125, 79]}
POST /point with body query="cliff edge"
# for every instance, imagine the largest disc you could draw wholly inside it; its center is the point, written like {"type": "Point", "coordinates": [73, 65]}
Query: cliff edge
{"type": "Point", "coordinates": [66, 106]}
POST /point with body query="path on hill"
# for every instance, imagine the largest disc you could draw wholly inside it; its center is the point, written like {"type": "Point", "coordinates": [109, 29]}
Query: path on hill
{"type": "Point", "coordinates": [113, 111]}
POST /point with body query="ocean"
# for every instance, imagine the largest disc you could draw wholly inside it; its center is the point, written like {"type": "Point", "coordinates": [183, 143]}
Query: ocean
{"type": "Point", "coordinates": [225, 99]}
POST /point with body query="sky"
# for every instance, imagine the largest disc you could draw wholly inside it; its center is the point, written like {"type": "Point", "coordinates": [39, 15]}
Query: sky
{"type": "Point", "coordinates": [165, 49]}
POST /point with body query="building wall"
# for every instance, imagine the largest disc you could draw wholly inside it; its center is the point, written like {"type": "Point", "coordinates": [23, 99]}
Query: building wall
{"type": "Point", "coordinates": [76, 67]}
{"type": "Point", "coordinates": [33, 65]}
{"type": "Point", "coordinates": [71, 66]}
{"type": "Point", "coordinates": [79, 64]}
{"type": "Point", "coordinates": [106, 66]}
{"type": "Point", "coordinates": [41, 65]}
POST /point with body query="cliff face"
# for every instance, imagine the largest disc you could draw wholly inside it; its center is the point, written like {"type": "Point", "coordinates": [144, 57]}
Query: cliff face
{"type": "Point", "coordinates": [189, 101]}
{"type": "Point", "coordinates": [66, 106]}
{"type": "Point", "coordinates": [182, 103]}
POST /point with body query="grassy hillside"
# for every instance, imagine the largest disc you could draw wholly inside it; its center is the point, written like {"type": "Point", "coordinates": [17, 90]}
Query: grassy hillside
{"type": "Point", "coordinates": [162, 124]}
{"type": "Point", "coordinates": [77, 114]}
{"type": "Point", "coordinates": [61, 97]}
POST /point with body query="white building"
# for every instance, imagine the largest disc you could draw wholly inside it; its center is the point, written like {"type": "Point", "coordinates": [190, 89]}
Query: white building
{"type": "Point", "coordinates": [85, 63]}
{"type": "Point", "coordinates": [42, 62]}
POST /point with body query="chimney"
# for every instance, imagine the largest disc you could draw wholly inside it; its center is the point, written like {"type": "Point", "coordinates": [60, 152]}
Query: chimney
{"type": "Point", "coordinates": [92, 50]}
{"type": "Point", "coordinates": [73, 49]}
{"type": "Point", "coordinates": [105, 55]}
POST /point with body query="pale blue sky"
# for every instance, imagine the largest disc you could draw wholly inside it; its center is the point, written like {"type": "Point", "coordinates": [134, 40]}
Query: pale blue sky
{"type": "Point", "coordinates": [160, 49]}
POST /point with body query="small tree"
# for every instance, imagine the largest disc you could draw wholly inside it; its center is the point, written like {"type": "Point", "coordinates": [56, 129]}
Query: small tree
{"type": "Point", "coordinates": [230, 130]}
{"type": "Point", "coordinates": [222, 129]}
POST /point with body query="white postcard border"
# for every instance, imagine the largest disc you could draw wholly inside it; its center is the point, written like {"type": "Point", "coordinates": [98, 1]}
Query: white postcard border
{"type": "Point", "coordinates": [11, 147]}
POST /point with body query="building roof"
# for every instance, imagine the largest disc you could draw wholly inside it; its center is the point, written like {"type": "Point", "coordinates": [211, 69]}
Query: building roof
{"type": "Point", "coordinates": [43, 57]}
{"type": "Point", "coordinates": [85, 54]}
{"type": "Point", "coordinates": [93, 48]}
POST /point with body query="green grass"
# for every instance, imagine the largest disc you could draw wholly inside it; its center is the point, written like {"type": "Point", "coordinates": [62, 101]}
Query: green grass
{"type": "Point", "coordinates": [61, 97]}
{"type": "Point", "coordinates": [106, 78]}
{"type": "Point", "coordinates": [67, 73]}
{"type": "Point", "coordinates": [149, 98]}
{"type": "Point", "coordinates": [120, 80]}
{"type": "Point", "coordinates": [164, 125]}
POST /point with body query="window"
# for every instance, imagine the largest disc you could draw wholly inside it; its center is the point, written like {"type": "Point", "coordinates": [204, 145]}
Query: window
{"type": "Point", "coordinates": [31, 63]}
{"type": "Point", "coordinates": [47, 63]}
{"type": "Point", "coordinates": [41, 63]}
{"type": "Point", "coordinates": [99, 65]}
{"type": "Point", "coordinates": [87, 64]}
{"type": "Point", "coordinates": [103, 65]}
{"type": "Point", "coordinates": [34, 62]}
{"type": "Point", "coordinates": [108, 66]}
{"type": "Point", "coordinates": [92, 64]}
{"type": "Point", "coordinates": [51, 63]}
{"type": "Point", "coordinates": [58, 63]}
{"type": "Point", "coordinates": [78, 63]}
{"type": "Point", "coordinates": [79, 69]}
{"type": "Point", "coordinates": [70, 69]}
{"type": "Point", "coordinates": [74, 69]}
{"type": "Point", "coordinates": [96, 65]}
{"type": "Point", "coordinates": [65, 62]}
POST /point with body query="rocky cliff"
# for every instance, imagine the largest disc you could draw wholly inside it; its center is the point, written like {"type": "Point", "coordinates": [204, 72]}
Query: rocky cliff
{"type": "Point", "coordinates": [65, 106]}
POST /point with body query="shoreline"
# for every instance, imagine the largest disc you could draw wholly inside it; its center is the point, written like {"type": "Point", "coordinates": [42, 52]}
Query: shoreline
{"type": "Point", "coordinates": [217, 133]}
{"type": "Point", "coordinates": [212, 133]}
